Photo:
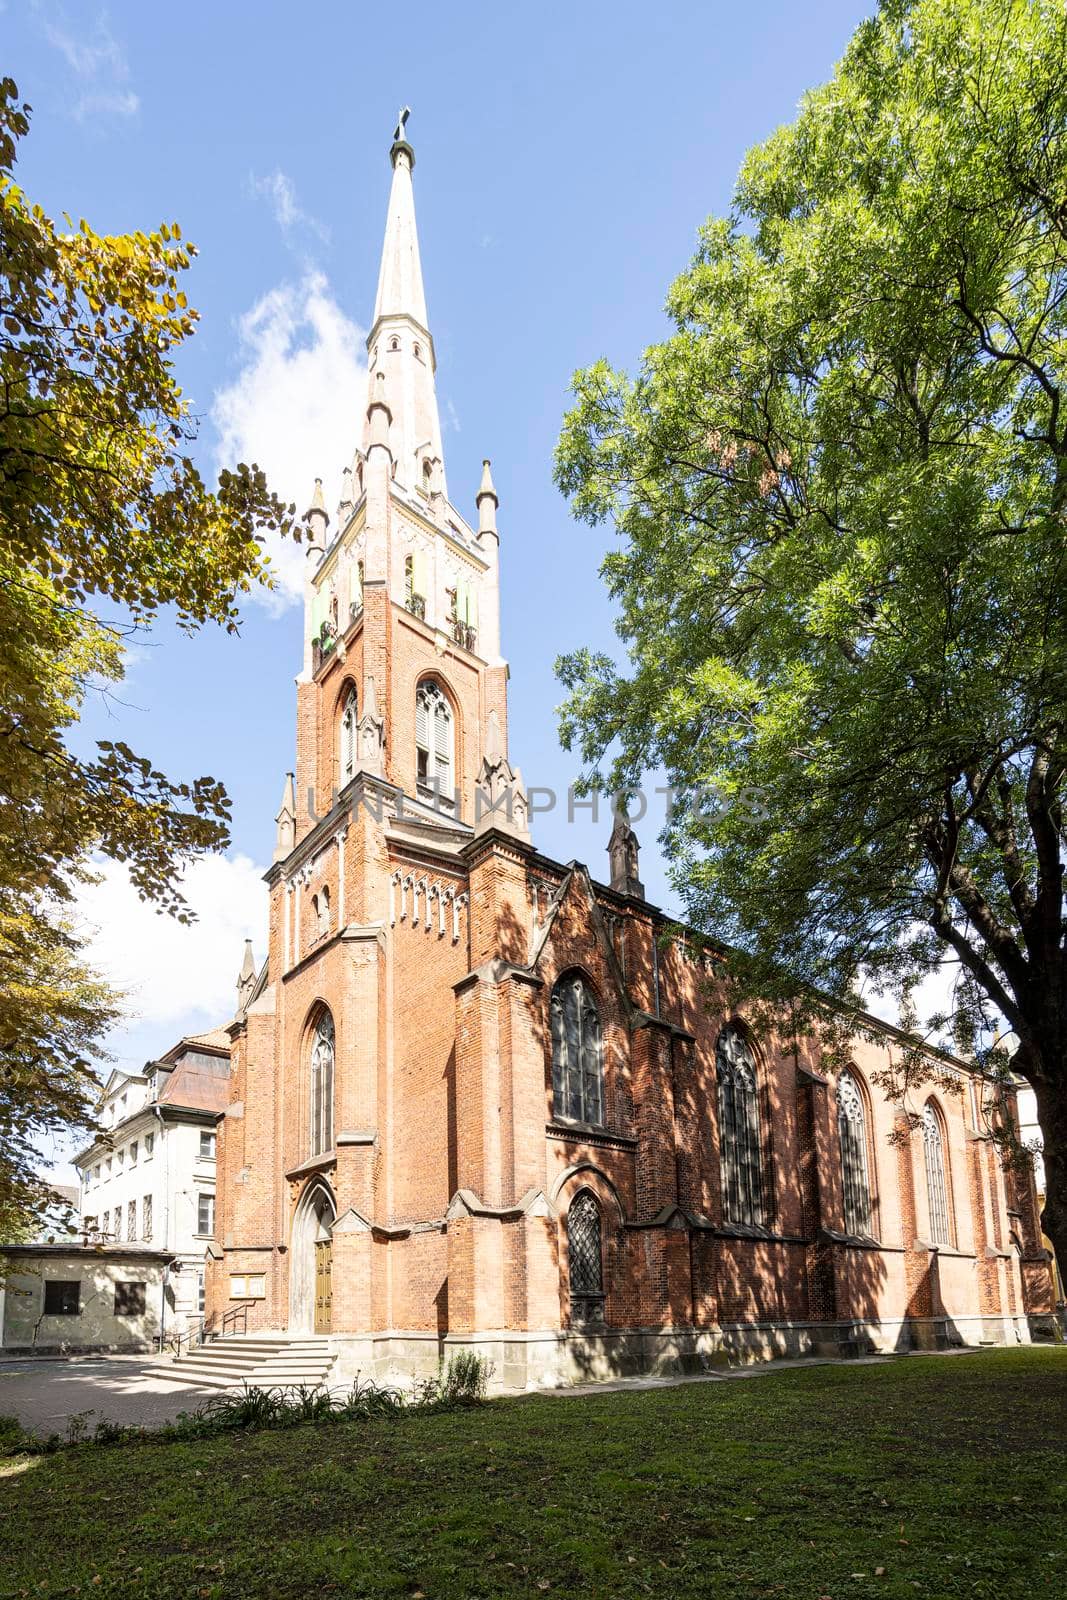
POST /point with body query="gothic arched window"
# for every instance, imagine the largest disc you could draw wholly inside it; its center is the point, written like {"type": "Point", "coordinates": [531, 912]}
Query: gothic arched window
{"type": "Point", "coordinates": [349, 719]}
{"type": "Point", "coordinates": [852, 1135]}
{"type": "Point", "coordinates": [585, 1257]}
{"type": "Point", "coordinates": [322, 1059]}
{"type": "Point", "coordinates": [739, 1136]}
{"type": "Point", "coordinates": [434, 754]}
{"type": "Point", "coordinates": [577, 1052]}
{"type": "Point", "coordinates": [936, 1184]}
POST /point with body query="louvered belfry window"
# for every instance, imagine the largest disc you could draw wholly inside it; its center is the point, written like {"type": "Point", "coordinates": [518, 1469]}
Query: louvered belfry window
{"type": "Point", "coordinates": [577, 1052]}
{"type": "Point", "coordinates": [936, 1186]}
{"type": "Point", "coordinates": [852, 1135]}
{"type": "Point", "coordinates": [434, 744]}
{"type": "Point", "coordinates": [585, 1258]}
{"type": "Point", "coordinates": [322, 1063]}
{"type": "Point", "coordinates": [739, 1134]}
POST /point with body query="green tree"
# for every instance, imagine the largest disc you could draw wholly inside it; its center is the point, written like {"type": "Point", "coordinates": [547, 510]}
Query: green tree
{"type": "Point", "coordinates": [100, 501]}
{"type": "Point", "coordinates": [841, 490]}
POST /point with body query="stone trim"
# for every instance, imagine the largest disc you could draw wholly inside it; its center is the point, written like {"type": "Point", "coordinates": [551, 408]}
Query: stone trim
{"type": "Point", "coordinates": [645, 1019]}
{"type": "Point", "coordinates": [582, 1133]}
{"type": "Point", "coordinates": [465, 1203]}
{"type": "Point", "coordinates": [496, 972]}
{"type": "Point", "coordinates": [312, 1164]}
{"type": "Point", "coordinates": [948, 1250]}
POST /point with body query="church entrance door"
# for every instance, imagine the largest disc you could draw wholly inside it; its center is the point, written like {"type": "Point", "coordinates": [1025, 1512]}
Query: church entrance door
{"type": "Point", "coordinates": [311, 1260]}
{"type": "Point", "coordinates": [323, 1284]}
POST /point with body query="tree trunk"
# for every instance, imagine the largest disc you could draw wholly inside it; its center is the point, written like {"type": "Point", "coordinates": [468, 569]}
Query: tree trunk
{"type": "Point", "coordinates": [1052, 1115]}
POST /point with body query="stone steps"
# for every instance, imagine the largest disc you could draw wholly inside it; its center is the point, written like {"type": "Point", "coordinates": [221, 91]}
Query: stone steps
{"type": "Point", "coordinates": [263, 1361]}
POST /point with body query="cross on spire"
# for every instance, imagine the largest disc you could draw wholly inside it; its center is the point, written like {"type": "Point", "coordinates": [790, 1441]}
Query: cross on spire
{"type": "Point", "coordinates": [400, 138]}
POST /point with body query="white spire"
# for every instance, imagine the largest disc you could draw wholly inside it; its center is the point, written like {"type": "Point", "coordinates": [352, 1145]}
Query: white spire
{"type": "Point", "coordinates": [488, 500]}
{"type": "Point", "coordinates": [400, 344]}
{"type": "Point", "coordinates": [400, 291]}
{"type": "Point", "coordinates": [316, 516]}
{"type": "Point", "coordinates": [286, 821]}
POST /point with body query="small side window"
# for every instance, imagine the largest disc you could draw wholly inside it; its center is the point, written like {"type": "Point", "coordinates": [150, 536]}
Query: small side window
{"type": "Point", "coordinates": [62, 1297]}
{"type": "Point", "coordinates": [130, 1299]}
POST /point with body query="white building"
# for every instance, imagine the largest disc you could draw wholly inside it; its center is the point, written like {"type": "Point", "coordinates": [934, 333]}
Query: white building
{"type": "Point", "coordinates": [148, 1179]}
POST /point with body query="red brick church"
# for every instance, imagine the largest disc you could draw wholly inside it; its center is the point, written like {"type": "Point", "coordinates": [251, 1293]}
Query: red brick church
{"type": "Point", "coordinates": [476, 1100]}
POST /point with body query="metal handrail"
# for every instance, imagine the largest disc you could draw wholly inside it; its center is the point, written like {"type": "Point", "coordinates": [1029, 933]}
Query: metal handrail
{"type": "Point", "coordinates": [204, 1330]}
{"type": "Point", "coordinates": [190, 1339]}
{"type": "Point", "coordinates": [230, 1319]}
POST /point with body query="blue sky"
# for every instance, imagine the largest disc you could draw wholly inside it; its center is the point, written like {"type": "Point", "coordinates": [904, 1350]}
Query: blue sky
{"type": "Point", "coordinates": [566, 156]}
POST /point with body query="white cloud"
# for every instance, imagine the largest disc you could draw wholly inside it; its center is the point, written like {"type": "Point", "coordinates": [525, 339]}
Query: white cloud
{"type": "Point", "coordinates": [177, 978]}
{"type": "Point", "coordinates": [114, 103]}
{"type": "Point", "coordinates": [99, 61]}
{"type": "Point", "coordinates": [278, 188]}
{"type": "Point", "coordinates": [89, 57]}
{"type": "Point", "coordinates": [295, 404]}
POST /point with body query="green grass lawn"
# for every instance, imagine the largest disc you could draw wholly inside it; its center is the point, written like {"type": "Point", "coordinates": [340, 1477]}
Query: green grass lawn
{"type": "Point", "coordinates": [932, 1477]}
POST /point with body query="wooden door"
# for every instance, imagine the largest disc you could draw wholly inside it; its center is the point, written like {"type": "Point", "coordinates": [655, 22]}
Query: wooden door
{"type": "Point", "coordinates": [323, 1287]}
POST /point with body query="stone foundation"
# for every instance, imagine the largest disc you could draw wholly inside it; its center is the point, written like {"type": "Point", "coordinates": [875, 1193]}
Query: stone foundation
{"type": "Point", "coordinates": [523, 1362]}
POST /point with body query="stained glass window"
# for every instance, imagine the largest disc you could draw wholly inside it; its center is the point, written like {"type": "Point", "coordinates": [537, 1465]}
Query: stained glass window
{"type": "Point", "coordinates": [936, 1187]}
{"type": "Point", "coordinates": [852, 1134]}
{"type": "Point", "coordinates": [739, 1136]}
{"type": "Point", "coordinates": [577, 1054]}
{"type": "Point", "coordinates": [322, 1061]}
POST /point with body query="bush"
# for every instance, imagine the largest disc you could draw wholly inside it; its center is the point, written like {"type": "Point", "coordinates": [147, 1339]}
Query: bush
{"type": "Point", "coordinates": [466, 1378]}
{"type": "Point", "coordinates": [12, 1438]}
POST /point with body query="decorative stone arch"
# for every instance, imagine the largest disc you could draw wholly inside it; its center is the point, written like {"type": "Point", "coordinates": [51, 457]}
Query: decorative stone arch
{"type": "Point", "coordinates": [436, 675]}
{"type": "Point", "coordinates": [313, 1220]}
{"type": "Point", "coordinates": [583, 1174]}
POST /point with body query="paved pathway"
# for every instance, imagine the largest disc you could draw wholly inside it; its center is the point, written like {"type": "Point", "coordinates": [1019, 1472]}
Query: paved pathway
{"type": "Point", "coordinates": [45, 1393]}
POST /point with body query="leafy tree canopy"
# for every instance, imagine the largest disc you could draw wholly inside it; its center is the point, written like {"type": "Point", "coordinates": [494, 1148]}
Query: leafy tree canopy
{"type": "Point", "coordinates": [841, 490]}
{"type": "Point", "coordinates": [100, 500]}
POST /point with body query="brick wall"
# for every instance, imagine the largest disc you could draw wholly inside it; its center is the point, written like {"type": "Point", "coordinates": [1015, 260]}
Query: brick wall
{"type": "Point", "coordinates": [443, 1084]}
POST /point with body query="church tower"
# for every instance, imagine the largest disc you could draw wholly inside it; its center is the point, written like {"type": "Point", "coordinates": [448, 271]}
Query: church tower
{"type": "Point", "coordinates": [403, 679]}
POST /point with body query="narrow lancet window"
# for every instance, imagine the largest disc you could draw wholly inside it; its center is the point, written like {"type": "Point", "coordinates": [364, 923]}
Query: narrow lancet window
{"type": "Point", "coordinates": [739, 1132]}
{"type": "Point", "coordinates": [577, 1052]}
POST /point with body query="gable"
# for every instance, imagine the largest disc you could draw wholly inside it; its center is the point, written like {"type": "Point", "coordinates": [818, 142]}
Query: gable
{"type": "Point", "coordinates": [574, 934]}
